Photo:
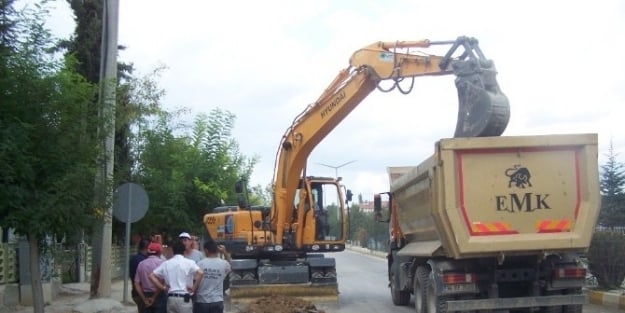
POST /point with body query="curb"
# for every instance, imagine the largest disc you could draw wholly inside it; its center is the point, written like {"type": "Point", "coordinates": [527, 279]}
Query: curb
{"type": "Point", "coordinates": [379, 254]}
{"type": "Point", "coordinates": [613, 299]}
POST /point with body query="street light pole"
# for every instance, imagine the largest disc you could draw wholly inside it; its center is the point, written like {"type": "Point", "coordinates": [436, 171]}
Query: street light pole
{"type": "Point", "coordinates": [336, 176]}
{"type": "Point", "coordinates": [336, 167]}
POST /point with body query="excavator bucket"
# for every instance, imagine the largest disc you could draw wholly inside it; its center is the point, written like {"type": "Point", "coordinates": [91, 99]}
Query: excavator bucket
{"type": "Point", "coordinates": [483, 109]}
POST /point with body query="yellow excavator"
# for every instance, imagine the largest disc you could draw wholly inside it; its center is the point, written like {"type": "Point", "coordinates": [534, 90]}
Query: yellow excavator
{"type": "Point", "coordinates": [281, 249]}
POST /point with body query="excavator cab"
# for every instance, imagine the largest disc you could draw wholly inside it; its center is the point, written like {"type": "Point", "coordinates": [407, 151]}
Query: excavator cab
{"type": "Point", "coordinates": [321, 203]}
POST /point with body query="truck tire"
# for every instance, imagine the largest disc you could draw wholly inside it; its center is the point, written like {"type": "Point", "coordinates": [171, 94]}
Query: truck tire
{"type": "Point", "coordinates": [435, 303]}
{"type": "Point", "coordinates": [420, 289]}
{"type": "Point", "coordinates": [400, 297]}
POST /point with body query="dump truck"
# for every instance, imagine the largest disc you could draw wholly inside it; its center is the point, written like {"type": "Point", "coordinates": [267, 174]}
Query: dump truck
{"type": "Point", "coordinates": [493, 223]}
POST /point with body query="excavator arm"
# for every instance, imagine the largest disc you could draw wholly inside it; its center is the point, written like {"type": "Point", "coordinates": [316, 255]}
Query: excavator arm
{"type": "Point", "coordinates": [483, 109]}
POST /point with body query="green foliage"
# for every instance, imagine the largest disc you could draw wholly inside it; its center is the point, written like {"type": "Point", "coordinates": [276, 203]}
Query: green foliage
{"type": "Point", "coordinates": [137, 97]}
{"type": "Point", "coordinates": [86, 42]}
{"type": "Point", "coordinates": [138, 100]}
{"type": "Point", "coordinates": [188, 171]}
{"type": "Point", "coordinates": [47, 148]}
{"type": "Point", "coordinates": [47, 141]}
{"type": "Point", "coordinates": [8, 25]}
{"type": "Point", "coordinates": [260, 195]}
{"type": "Point", "coordinates": [362, 236]}
{"type": "Point", "coordinates": [612, 196]}
{"type": "Point", "coordinates": [357, 220]}
{"type": "Point", "coordinates": [363, 227]}
{"type": "Point", "coordinates": [607, 258]}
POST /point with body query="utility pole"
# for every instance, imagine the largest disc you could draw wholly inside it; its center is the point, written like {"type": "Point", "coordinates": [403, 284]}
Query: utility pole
{"type": "Point", "coordinates": [108, 82]}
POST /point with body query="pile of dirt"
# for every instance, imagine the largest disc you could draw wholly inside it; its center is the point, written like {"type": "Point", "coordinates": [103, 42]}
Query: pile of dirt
{"type": "Point", "coordinates": [280, 304]}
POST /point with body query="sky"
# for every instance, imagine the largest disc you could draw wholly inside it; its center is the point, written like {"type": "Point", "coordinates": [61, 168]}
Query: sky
{"type": "Point", "coordinates": [561, 64]}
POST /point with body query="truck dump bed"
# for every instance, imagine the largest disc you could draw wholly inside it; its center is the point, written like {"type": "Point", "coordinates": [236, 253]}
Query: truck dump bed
{"type": "Point", "coordinates": [498, 196]}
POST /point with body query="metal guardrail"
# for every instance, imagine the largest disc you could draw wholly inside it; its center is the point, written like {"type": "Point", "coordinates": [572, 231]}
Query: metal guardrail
{"type": "Point", "coordinates": [8, 263]}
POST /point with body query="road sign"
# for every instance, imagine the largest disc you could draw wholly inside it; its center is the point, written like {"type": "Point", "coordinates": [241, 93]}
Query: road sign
{"type": "Point", "coordinates": [130, 203]}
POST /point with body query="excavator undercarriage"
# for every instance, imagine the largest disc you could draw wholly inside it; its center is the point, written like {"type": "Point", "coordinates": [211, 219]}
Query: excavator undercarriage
{"type": "Point", "coordinates": [312, 277]}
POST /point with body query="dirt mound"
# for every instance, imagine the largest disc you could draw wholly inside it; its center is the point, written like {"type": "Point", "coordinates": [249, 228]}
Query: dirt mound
{"type": "Point", "coordinates": [280, 304]}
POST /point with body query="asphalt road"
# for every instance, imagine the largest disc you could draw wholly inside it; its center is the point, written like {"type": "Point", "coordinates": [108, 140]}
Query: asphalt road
{"type": "Point", "coordinates": [363, 287]}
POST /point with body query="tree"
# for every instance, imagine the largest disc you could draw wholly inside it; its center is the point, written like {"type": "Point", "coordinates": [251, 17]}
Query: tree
{"type": "Point", "coordinates": [612, 195]}
{"type": "Point", "coordinates": [85, 44]}
{"type": "Point", "coordinates": [187, 171]}
{"type": "Point", "coordinates": [260, 195]}
{"type": "Point", "coordinates": [607, 260]}
{"type": "Point", "coordinates": [137, 99]}
{"type": "Point", "coordinates": [605, 252]}
{"type": "Point", "coordinates": [363, 226]}
{"type": "Point", "coordinates": [47, 147]}
{"type": "Point", "coordinates": [138, 102]}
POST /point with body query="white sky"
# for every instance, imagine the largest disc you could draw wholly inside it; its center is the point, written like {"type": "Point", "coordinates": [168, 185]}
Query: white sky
{"type": "Point", "coordinates": [561, 64]}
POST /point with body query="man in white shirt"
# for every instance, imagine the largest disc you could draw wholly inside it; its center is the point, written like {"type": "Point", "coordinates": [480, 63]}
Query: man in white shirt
{"type": "Point", "coordinates": [181, 277]}
{"type": "Point", "coordinates": [189, 251]}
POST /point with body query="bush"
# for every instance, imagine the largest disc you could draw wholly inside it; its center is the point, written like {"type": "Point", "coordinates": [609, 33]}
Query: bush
{"type": "Point", "coordinates": [363, 237]}
{"type": "Point", "coordinates": [607, 258]}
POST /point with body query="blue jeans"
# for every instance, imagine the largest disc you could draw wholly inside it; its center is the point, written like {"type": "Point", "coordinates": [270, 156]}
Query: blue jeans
{"type": "Point", "coordinates": [213, 307]}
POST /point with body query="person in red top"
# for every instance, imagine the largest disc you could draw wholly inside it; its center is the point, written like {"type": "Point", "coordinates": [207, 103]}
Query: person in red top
{"type": "Point", "coordinates": [153, 299]}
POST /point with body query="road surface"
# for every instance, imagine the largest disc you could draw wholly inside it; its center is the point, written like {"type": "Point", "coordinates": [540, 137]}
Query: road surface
{"type": "Point", "coordinates": [363, 285]}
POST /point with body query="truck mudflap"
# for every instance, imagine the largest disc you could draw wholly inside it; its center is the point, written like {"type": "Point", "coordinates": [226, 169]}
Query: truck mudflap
{"type": "Point", "coordinates": [515, 303]}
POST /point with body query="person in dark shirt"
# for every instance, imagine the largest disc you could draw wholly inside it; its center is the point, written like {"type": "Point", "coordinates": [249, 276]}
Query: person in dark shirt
{"type": "Point", "coordinates": [141, 255]}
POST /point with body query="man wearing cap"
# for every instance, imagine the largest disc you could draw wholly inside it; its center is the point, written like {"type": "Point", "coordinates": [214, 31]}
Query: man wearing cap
{"type": "Point", "coordinates": [189, 251]}
{"type": "Point", "coordinates": [177, 277]}
{"type": "Point", "coordinates": [154, 300]}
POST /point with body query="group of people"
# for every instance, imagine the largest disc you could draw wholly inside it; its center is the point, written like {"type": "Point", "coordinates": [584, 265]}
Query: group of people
{"type": "Point", "coordinates": [188, 282]}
